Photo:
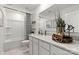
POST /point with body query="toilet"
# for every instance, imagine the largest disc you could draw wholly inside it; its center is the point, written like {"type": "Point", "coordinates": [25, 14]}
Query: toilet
{"type": "Point", "coordinates": [25, 44]}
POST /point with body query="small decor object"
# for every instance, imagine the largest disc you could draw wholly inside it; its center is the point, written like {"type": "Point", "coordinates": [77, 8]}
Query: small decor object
{"type": "Point", "coordinates": [33, 22]}
{"type": "Point", "coordinates": [61, 38]}
{"type": "Point", "coordinates": [69, 28]}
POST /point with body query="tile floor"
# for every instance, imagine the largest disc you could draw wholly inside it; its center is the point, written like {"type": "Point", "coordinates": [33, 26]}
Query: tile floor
{"type": "Point", "coordinates": [22, 50]}
{"type": "Point", "coordinates": [17, 51]}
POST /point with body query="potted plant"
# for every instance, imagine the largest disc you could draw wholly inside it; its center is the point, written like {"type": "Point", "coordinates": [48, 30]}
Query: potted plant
{"type": "Point", "coordinates": [60, 28]}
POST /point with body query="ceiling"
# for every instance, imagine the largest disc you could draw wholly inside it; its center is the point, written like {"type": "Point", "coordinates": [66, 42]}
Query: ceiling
{"type": "Point", "coordinates": [56, 8]}
{"type": "Point", "coordinates": [29, 7]}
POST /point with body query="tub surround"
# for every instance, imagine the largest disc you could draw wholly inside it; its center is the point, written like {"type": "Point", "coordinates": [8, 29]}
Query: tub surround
{"type": "Point", "coordinates": [72, 48]}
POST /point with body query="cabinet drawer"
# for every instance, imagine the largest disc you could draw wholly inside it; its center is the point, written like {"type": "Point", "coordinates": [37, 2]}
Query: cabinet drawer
{"type": "Point", "coordinates": [44, 44]}
{"type": "Point", "coordinates": [42, 51]}
{"type": "Point", "coordinates": [59, 51]}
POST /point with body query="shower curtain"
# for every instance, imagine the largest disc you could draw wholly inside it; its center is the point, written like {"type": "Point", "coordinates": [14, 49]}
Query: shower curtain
{"type": "Point", "coordinates": [28, 26]}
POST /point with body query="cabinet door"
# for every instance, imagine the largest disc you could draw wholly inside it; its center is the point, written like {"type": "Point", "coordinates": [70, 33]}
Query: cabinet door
{"type": "Point", "coordinates": [30, 45]}
{"type": "Point", "coordinates": [30, 49]}
{"type": "Point", "coordinates": [43, 48]}
{"type": "Point", "coordinates": [44, 44]}
{"type": "Point", "coordinates": [35, 46]}
{"type": "Point", "coordinates": [43, 51]}
{"type": "Point", "coordinates": [59, 51]}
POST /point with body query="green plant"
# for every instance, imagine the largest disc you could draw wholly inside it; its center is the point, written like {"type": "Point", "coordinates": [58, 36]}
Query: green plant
{"type": "Point", "coordinates": [60, 22]}
{"type": "Point", "coordinates": [60, 25]}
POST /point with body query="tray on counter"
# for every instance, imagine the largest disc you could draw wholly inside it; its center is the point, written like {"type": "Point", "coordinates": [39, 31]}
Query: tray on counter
{"type": "Point", "coordinates": [62, 39]}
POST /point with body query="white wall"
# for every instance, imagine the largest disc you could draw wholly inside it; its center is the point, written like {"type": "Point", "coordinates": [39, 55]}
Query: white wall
{"type": "Point", "coordinates": [42, 24]}
{"type": "Point", "coordinates": [2, 30]}
{"type": "Point", "coordinates": [35, 17]}
{"type": "Point", "coordinates": [43, 7]}
{"type": "Point", "coordinates": [36, 13]}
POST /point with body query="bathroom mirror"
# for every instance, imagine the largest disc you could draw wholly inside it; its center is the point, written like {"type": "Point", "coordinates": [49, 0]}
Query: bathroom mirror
{"type": "Point", "coordinates": [48, 25]}
{"type": "Point", "coordinates": [51, 23]}
{"type": "Point", "coordinates": [69, 13]}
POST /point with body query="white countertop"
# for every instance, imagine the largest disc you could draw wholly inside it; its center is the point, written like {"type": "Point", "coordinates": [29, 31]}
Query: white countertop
{"type": "Point", "coordinates": [71, 47]}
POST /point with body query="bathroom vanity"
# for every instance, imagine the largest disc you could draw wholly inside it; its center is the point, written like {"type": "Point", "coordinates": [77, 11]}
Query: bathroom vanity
{"type": "Point", "coordinates": [44, 45]}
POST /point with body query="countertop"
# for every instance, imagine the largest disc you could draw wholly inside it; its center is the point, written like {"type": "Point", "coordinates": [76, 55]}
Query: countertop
{"type": "Point", "coordinates": [71, 47]}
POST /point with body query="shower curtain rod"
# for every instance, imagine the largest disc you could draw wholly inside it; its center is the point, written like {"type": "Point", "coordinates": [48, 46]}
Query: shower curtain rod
{"type": "Point", "coordinates": [15, 9]}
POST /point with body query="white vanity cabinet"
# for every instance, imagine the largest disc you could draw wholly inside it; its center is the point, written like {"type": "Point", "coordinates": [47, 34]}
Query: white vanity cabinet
{"type": "Point", "coordinates": [39, 46]}
{"type": "Point", "coordinates": [58, 51]}
{"type": "Point", "coordinates": [33, 46]}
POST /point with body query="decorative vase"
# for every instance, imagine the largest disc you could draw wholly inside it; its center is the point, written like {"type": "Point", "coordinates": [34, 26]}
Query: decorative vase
{"type": "Point", "coordinates": [60, 30]}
